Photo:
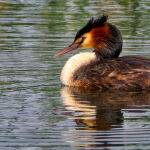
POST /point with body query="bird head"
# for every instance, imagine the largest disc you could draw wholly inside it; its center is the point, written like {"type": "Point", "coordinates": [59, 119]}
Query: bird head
{"type": "Point", "coordinates": [100, 35]}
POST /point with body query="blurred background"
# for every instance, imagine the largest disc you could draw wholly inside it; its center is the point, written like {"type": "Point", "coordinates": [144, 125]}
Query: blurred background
{"type": "Point", "coordinates": [34, 114]}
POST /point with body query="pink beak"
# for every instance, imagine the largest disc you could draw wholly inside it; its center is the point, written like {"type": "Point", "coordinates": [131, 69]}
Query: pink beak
{"type": "Point", "coordinates": [71, 47]}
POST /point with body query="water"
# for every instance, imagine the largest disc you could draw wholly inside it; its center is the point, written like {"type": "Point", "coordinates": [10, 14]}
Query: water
{"type": "Point", "coordinates": [35, 113]}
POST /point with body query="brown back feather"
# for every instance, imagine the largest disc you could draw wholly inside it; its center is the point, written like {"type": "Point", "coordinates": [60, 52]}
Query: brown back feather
{"type": "Point", "coordinates": [121, 73]}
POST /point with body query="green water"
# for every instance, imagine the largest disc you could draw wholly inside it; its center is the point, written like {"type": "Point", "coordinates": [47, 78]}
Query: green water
{"type": "Point", "coordinates": [35, 113]}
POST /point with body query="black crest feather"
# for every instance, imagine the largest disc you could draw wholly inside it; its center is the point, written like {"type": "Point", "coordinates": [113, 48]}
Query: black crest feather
{"type": "Point", "coordinates": [92, 23]}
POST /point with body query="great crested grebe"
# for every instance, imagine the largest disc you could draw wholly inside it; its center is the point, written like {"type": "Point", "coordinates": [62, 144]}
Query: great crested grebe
{"type": "Point", "coordinates": [102, 68]}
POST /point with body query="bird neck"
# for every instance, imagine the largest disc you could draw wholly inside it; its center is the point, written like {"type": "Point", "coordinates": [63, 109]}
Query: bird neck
{"type": "Point", "coordinates": [108, 45]}
{"type": "Point", "coordinates": [73, 64]}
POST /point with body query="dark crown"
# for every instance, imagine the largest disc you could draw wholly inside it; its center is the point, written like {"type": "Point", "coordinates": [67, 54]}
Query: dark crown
{"type": "Point", "coordinates": [92, 23]}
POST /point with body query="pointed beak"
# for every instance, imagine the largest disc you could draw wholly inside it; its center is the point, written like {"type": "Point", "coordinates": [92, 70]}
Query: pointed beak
{"type": "Point", "coordinates": [71, 47]}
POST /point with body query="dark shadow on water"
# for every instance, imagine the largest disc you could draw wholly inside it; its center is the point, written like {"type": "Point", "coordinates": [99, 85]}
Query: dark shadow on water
{"type": "Point", "coordinates": [102, 110]}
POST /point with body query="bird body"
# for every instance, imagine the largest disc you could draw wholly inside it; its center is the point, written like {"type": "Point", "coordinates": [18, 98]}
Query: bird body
{"type": "Point", "coordinates": [103, 68]}
{"type": "Point", "coordinates": [84, 71]}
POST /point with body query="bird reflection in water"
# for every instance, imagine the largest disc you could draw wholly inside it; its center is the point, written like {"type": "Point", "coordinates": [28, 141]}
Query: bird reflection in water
{"type": "Point", "coordinates": [102, 110]}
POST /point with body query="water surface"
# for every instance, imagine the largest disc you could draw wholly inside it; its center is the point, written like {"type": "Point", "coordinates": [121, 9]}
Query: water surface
{"type": "Point", "coordinates": [35, 113]}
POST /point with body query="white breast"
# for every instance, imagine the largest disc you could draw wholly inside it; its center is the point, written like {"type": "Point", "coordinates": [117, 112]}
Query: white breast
{"type": "Point", "coordinates": [73, 64]}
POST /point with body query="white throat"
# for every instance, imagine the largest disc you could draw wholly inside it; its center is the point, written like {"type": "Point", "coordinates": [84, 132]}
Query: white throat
{"type": "Point", "coordinates": [73, 64]}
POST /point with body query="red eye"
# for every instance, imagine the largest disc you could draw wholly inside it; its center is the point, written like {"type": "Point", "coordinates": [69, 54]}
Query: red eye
{"type": "Point", "coordinates": [83, 38]}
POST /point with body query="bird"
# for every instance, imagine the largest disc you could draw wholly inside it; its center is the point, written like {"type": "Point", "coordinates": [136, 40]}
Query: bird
{"type": "Point", "coordinates": [103, 68]}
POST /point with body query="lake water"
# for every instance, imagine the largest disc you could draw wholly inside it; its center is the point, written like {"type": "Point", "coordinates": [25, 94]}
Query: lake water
{"type": "Point", "coordinates": [35, 112]}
